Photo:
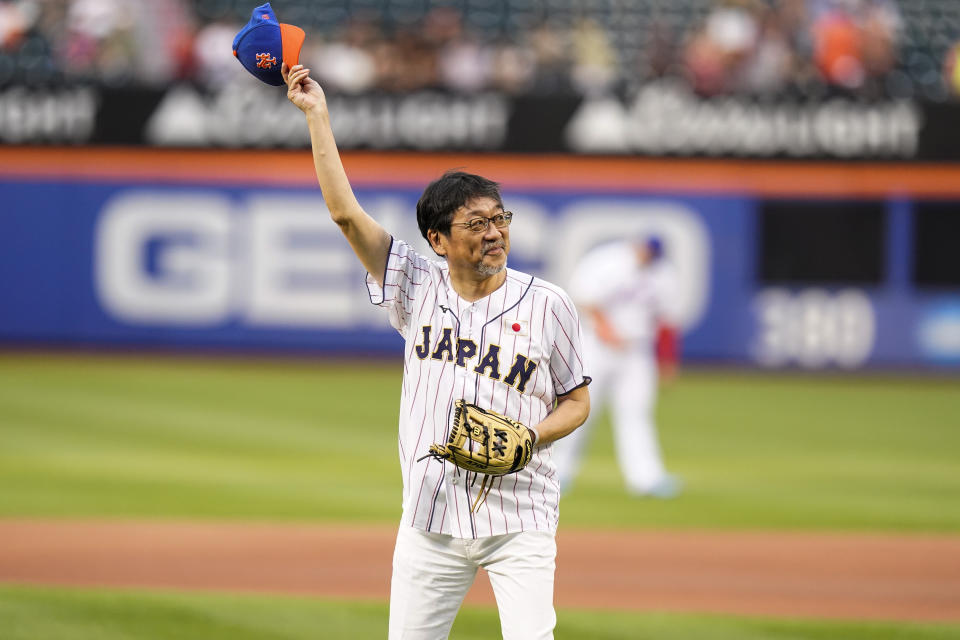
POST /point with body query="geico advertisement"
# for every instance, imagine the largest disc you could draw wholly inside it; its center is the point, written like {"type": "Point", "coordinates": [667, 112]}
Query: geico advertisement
{"type": "Point", "coordinates": [194, 259]}
{"type": "Point", "coordinates": [267, 268]}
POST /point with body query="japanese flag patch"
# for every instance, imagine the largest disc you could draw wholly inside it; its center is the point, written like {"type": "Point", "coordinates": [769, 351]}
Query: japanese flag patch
{"type": "Point", "coordinates": [516, 327]}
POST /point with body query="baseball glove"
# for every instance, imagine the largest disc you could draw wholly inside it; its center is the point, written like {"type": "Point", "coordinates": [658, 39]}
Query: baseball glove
{"type": "Point", "coordinates": [485, 442]}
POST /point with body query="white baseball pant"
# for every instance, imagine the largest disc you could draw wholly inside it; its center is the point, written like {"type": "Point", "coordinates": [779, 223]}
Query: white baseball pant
{"type": "Point", "coordinates": [625, 381]}
{"type": "Point", "coordinates": [432, 573]}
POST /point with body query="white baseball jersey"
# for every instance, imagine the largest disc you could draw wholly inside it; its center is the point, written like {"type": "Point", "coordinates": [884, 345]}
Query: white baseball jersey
{"type": "Point", "coordinates": [513, 352]}
{"type": "Point", "coordinates": [632, 296]}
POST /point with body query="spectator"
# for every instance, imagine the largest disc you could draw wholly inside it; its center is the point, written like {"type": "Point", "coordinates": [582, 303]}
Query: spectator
{"type": "Point", "coordinates": [768, 68]}
{"type": "Point", "coordinates": [880, 28]}
{"type": "Point", "coordinates": [551, 59]}
{"type": "Point", "coordinates": [347, 63]}
{"type": "Point", "coordinates": [855, 41]}
{"type": "Point", "coordinates": [165, 32]}
{"type": "Point", "coordinates": [100, 41]}
{"type": "Point", "coordinates": [404, 62]}
{"type": "Point", "coordinates": [25, 51]}
{"type": "Point", "coordinates": [214, 64]}
{"type": "Point", "coordinates": [594, 69]}
{"type": "Point", "coordinates": [837, 48]}
{"type": "Point", "coordinates": [464, 63]}
{"type": "Point", "coordinates": [14, 23]}
{"type": "Point", "coordinates": [715, 53]}
{"type": "Point", "coordinates": [513, 67]}
{"type": "Point", "coordinates": [758, 47]}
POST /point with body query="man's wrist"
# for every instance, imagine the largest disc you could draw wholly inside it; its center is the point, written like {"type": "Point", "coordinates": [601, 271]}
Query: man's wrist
{"type": "Point", "coordinates": [535, 434]}
{"type": "Point", "coordinates": [318, 113]}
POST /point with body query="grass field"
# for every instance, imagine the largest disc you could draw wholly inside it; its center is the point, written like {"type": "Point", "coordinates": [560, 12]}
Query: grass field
{"type": "Point", "coordinates": [169, 437]}
{"type": "Point", "coordinates": [164, 437]}
{"type": "Point", "coordinates": [55, 614]}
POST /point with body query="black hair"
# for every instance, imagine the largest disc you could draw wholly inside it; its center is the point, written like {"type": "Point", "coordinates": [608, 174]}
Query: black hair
{"type": "Point", "coordinates": [449, 192]}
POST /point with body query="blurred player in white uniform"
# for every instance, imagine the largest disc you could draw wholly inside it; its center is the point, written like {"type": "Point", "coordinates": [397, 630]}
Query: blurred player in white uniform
{"type": "Point", "coordinates": [473, 329]}
{"type": "Point", "coordinates": [626, 292]}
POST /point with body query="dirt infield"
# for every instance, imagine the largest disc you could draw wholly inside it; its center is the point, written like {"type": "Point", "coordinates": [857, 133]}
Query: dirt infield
{"type": "Point", "coordinates": [783, 574]}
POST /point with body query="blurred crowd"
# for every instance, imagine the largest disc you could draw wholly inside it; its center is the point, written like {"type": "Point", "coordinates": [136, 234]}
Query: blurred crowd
{"type": "Point", "coordinates": [869, 48]}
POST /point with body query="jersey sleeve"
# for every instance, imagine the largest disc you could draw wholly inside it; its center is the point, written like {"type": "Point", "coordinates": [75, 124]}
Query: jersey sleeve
{"type": "Point", "coordinates": [567, 363]}
{"type": "Point", "coordinates": [405, 271]}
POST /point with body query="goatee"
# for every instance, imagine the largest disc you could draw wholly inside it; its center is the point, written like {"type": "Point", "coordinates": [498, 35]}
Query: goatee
{"type": "Point", "coordinates": [490, 270]}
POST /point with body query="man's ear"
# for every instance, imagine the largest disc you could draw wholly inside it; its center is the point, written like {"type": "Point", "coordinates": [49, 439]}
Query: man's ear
{"type": "Point", "coordinates": [433, 236]}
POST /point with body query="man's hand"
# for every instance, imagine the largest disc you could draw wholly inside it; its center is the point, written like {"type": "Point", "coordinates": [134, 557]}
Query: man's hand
{"type": "Point", "coordinates": [302, 90]}
{"type": "Point", "coordinates": [604, 329]}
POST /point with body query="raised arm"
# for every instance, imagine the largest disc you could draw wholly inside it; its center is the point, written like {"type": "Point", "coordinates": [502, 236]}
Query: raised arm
{"type": "Point", "coordinates": [369, 240]}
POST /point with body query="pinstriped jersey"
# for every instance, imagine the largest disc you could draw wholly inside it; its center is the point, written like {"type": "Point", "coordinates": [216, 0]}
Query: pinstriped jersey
{"type": "Point", "coordinates": [514, 352]}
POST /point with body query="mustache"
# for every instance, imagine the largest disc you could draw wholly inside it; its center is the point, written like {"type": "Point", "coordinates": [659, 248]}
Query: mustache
{"type": "Point", "coordinates": [494, 244]}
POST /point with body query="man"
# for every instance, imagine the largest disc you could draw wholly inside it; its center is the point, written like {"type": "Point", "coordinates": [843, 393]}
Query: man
{"type": "Point", "coordinates": [478, 331]}
{"type": "Point", "coordinates": [627, 294]}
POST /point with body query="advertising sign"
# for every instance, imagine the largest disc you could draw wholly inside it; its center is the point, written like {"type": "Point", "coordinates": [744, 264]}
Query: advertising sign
{"type": "Point", "coordinates": [216, 264]}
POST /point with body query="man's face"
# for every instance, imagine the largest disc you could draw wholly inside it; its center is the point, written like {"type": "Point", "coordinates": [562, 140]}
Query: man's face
{"type": "Point", "coordinates": [484, 253]}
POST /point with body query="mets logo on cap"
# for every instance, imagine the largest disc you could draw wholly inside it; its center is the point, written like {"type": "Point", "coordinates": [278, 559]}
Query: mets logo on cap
{"type": "Point", "coordinates": [264, 43]}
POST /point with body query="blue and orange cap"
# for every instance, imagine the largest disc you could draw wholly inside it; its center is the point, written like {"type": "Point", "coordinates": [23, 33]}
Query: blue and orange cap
{"type": "Point", "coordinates": [264, 43]}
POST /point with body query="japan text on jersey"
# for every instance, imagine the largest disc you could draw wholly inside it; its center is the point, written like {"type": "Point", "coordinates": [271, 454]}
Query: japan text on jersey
{"type": "Point", "coordinates": [514, 352]}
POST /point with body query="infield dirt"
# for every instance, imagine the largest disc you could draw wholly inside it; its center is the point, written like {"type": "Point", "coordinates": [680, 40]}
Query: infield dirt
{"type": "Point", "coordinates": [848, 576]}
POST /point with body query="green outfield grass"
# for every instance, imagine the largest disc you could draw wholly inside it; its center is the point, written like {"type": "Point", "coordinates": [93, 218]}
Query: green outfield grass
{"type": "Point", "coordinates": [72, 614]}
{"type": "Point", "coordinates": [313, 440]}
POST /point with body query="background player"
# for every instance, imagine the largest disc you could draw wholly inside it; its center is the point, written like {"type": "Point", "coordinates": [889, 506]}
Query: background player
{"type": "Point", "coordinates": [627, 294]}
{"type": "Point", "coordinates": [476, 330]}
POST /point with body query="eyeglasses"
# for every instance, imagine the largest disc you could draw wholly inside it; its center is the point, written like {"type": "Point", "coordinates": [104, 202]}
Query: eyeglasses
{"type": "Point", "coordinates": [480, 224]}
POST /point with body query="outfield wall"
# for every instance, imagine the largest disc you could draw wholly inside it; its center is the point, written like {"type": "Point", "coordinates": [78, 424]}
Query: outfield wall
{"type": "Point", "coordinates": [782, 265]}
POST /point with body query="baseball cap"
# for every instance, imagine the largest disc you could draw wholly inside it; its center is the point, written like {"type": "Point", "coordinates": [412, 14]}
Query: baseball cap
{"type": "Point", "coordinates": [264, 43]}
{"type": "Point", "coordinates": [655, 246]}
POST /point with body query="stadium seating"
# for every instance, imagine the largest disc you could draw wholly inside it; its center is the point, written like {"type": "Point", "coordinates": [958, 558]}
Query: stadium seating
{"type": "Point", "coordinates": [927, 30]}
